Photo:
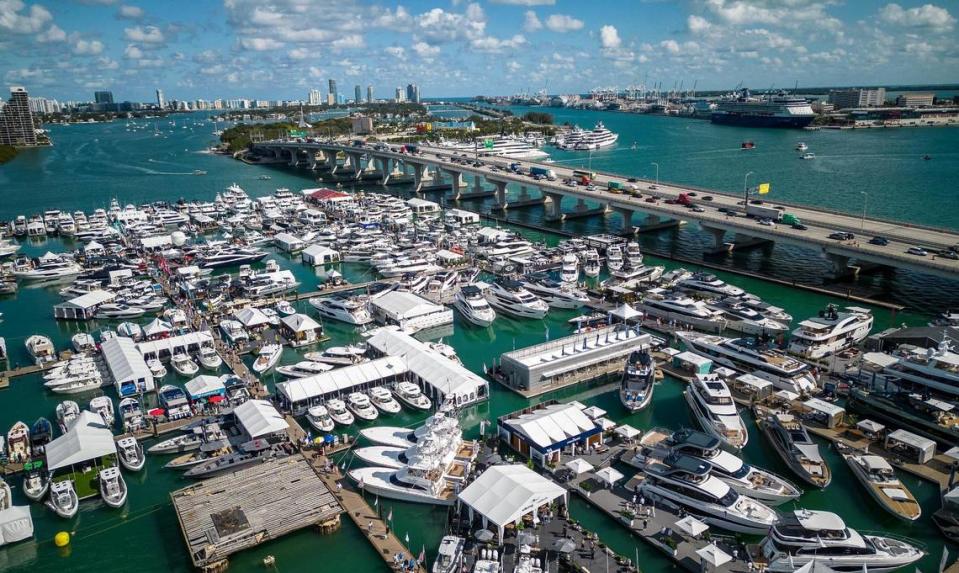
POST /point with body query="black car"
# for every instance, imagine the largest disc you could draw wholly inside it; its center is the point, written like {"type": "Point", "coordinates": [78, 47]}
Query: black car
{"type": "Point", "coordinates": [881, 241]}
{"type": "Point", "coordinates": [799, 226]}
{"type": "Point", "coordinates": [842, 236]}
{"type": "Point", "coordinates": [949, 254]}
{"type": "Point", "coordinates": [708, 198]}
{"type": "Point", "coordinates": [632, 180]}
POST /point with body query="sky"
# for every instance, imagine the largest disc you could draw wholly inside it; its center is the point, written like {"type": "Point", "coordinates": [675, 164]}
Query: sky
{"type": "Point", "coordinates": [279, 49]}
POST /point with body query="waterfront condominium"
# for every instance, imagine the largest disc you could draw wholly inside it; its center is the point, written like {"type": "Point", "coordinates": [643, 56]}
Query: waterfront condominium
{"type": "Point", "coordinates": [357, 94]}
{"type": "Point", "coordinates": [16, 120]}
{"type": "Point", "coordinates": [369, 94]}
{"type": "Point", "coordinates": [331, 97]}
{"type": "Point", "coordinates": [413, 93]}
{"type": "Point", "coordinates": [315, 97]}
{"type": "Point", "coordinates": [161, 101]}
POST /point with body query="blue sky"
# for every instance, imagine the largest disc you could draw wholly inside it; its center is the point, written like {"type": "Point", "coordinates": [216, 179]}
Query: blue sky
{"type": "Point", "coordinates": [280, 48]}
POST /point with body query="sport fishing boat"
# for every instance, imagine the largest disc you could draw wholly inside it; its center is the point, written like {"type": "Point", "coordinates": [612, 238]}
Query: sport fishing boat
{"type": "Point", "coordinates": [113, 489]}
{"type": "Point", "coordinates": [359, 404]}
{"type": "Point", "coordinates": [411, 395]}
{"type": "Point", "coordinates": [713, 406]}
{"type": "Point", "coordinates": [351, 310]}
{"type": "Point", "coordinates": [879, 479]}
{"type": "Point", "coordinates": [423, 479]}
{"type": "Point", "coordinates": [469, 301]}
{"type": "Point", "coordinates": [383, 399]}
{"type": "Point", "coordinates": [804, 536]}
{"type": "Point", "coordinates": [792, 442]}
{"type": "Point", "coordinates": [130, 453]}
{"type": "Point", "coordinates": [639, 376]}
{"type": "Point", "coordinates": [438, 423]}
{"type": "Point", "coordinates": [509, 296]}
{"type": "Point", "coordinates": [339, 412]}
{"type": "Point", "coordinates": [67, 413]}
{"type": "Point", "coordinates": [746, 479]}
{"type": "Point", "coordinates": [689, 483]}
{"type": "Point", "coordinates": [103, 406]}
{"type": "Point", "coordinates": [63, 499]}
{"type": "Point", "coordinates": [831, 332]}
{"type": "Point", "coordinates": [747, 356]}
{"type": "Point", "coordinates": [184, 365]}
{"type": "Point", "coordinates": [556, 294]}
{"type": "Point", "coordinates": [209, 358]}
{"type": "Point", "coordinates": [320, 419]}
{"type": "Point", "coordinates": [267, 358]}
{"type": "Point", "coordinates": [569, 272]}
{"type": "Point", "coordinates": [131, 415]}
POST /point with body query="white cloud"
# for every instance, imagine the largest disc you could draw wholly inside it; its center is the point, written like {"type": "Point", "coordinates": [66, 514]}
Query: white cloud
{"type": "Point", "coordinates": [697, 24]}
{"type": "Point", "coordinates": [260, 44]}
{"type": "Point", "coordinates": [206, 57]}
{"type": "Point", "coordinates": [349, 41]}
{"type": "Point", "coordinates": [298, 53]}
{"type": "Point", "coordinates": [52, 34]}
{"type": "Point", "coordinates": [105, 63]}
{"type": "Point", "coordinates": [132, 52]}
{"type": "Point", "coordinates": [144, 35]}
{"type": "Point", "coordinates": [397, 52]}
{"type": "Point", "coordinates": [28, 22]}
{"type": "Point", "coordinates": [491, 44]}
{"type": "Point", "coordinates": [787, 13]}
{"type": "Point", "coordinates": [531, 22]}
{"type": "Point", "coordinates": [925, 16]}
{"type": "Point", "coordinates": [87, 47]}
{"type": "Point", "coordinates": [563, 23]}
{"type": "Point", "coordinates": [130, 12]}
{"type": "Point", "coordinates": [425, 50]}
{"type": "Point", "coordinates": [513, 66]}
{"type": "Point", "coordinates": [609, 37]}
{"type": "Point", "coordinates": [525, 2]}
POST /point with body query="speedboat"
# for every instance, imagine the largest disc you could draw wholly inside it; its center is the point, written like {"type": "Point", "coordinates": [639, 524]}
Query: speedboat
{"type": "Point", "coordinates": [184, 365]}
{"type": "Point", "coordinates": [131, 455]}
{"type": "Point", "coordinates": [411, 395]}
{"type": "Point", "coordinates": [18, 442]}
{"type": "Point", "coordinates": [556, 294]}
{"type": "Point", "coordinates": [255, 451]}
{"type": "Point", "coordinates": [383, 399]}
{"type": "Point", "coordinates": [830, 332]}
{"type": "Point", "coordinates": [746, 479]}
{"type": "Point", "coordinates": [351, 310]}
{"type": "Point", "coordinates": [304, 368]}
{"type": "Point", "coordinates": [113, 489]}
{"type": "Point", "coordinates": [639, 375]}
{"type": "Point", "coordinates": [805, 536]}
{"type": "Point", "coordinates": [82, 342]}
{"type": "Point", "coordinates": [131, 415]}
{"type": "Point", "coordinates": [511, 297]}
{"type": "Point", "coordinates": [339, 412]}
{"type": "Point", "coordinates": [63, 499]}
{"type": "Point", "coordinates": [713, 406]}
{"type": "Point", "coordinates": [157, 369]}
{"type": "Point", "coordinates": [267, 358]}
{"type": "Point", "coordinates": [359, 404]}
{"type": "Point", "coordinates": [36, 484]}
{"type": "Point", "coordinates": [41, 349]}
{"type": "Point", "coordinates": [103, 406]}
{"type": "Point", "coordinates": [793, 444]}
{"type": "Point", "coordinates": [178, 444]}
{"type": "Point", "coordinates": [209, 358]}
{"type": "Point", "coordinates": [284, 308]}
{"type": "Point", "coordinates": [320, 419]}
{"type": "Point", "coordinates": [470, 303]}
{"type": "Point", "coordinates": [115, 310]}
{"type": "Point", "coordinates": [41, 432]}
{"type": "Point", "coordinates": [689, 483]}
{"type": "Point", "coordinates": [449, 556]}
{"type": "Point", "coordinates": [67, 413]}
{"type": "Point", "coordinates": [879, 479]}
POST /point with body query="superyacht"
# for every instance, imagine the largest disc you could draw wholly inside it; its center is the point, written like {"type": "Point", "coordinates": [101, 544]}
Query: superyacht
{"type": "Point", "coordinates": [512, 298]}
{"type": "Point", "coordinates": [831, 332]}
{"type": "Point", "coordinates": [713, 406]}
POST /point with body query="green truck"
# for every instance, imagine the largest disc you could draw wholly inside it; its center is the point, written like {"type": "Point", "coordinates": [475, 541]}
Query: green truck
{"type": "Point", "coordinates": [615, 187]}
{"type": "Point", "coordinates": [790, 219]}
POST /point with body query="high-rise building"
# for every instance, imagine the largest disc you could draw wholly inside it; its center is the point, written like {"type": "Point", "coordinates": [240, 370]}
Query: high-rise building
{"type": "Point", "coordinates": [357, 94]}
{"type": "Point", "coordinates": [400, 95]}
{"type": "Point", "coordinates": [413, 93]}
{"type": "Point", "coordinates": [16, 120]}
{"type": "Point", "coordinates": [369, 94]}
{"type": "Point", "coordinates": [855, 97]}
{"type": "Point", "coordinates": [103, 97]}
{"type": "Point", "coordinates": [916, 99]}
{"type": "Point", "coordinates": [161, 102]}
{"type": "Point", "coordinates": [331, 96]}
{"type": "Point", "coordinates": [315, 97]}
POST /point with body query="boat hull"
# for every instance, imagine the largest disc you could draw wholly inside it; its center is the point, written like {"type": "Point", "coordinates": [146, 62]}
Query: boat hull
{"type": "Point", "coordinates": [376, 481]}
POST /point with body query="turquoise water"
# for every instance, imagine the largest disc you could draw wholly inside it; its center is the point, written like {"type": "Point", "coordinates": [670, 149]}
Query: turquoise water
{"type": "Point", "coordinates": [91, 164]}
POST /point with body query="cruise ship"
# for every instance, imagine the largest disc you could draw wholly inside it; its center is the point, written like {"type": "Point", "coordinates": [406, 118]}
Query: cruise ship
{"type": "Point", "coordinates": [597, 138]}
{"type": "Point", "coordinates": [744, 355]}
{"type": "Point", "coordinates": [779, 110]}
{"type": "Point", "coordinates": [831, 332]}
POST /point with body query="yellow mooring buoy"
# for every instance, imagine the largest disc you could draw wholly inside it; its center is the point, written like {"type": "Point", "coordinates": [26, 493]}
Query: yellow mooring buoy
{"type": "Point", "coordinates": [61, 539]}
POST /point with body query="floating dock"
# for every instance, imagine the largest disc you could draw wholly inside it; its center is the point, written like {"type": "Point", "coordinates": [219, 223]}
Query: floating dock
{"type": "Point", "coordinates": [233, 512]}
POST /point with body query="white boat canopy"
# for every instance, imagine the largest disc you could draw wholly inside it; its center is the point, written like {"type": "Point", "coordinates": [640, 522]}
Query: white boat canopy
{"type": "Point", "coordinates": [259, 418]}
{"type": "Point", "coordinates": [16, 524]}
{"type": "Point", "coordinates": [625, 313]}
{"type": "Point", "coordinates": [833, 413]}
{"type": "Point", "coordinates": [594, 412]}
{"type": "Point", "coordinates": [925, 448]}
{"type": "Point", "coordinates": [504, 494]}
{"type": "Point", "coordinates": [157, 327]}
{"type": "Point", "coordinates": [870, 427]}
{"type": "Point", "coordinates": [86, 440]}
{"type": "Point", "coordinates": [626, 431]}
{"type": "Point", "coordinates": [300, 323]}
{"type": "Point", "coordinates": [553, 424]}
{"type": "Point", "coordinates": [714, 556]}
{"type": "Point", "coordinates": [340, 380]}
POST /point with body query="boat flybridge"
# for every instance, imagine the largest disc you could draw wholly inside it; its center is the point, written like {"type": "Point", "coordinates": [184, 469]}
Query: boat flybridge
{"type": "Point", "coordinates": [556, 294]}
{"type": "Point", "coordinates": [469, 301]}
{"type": "Point", "coordinates": [511, 297]}
{"type": "Point", "coordinates": [713, 406]}
{"type": "Point", "coordinates": [831, 332]}
{"type": "Point", "coordinates": [351, 310]}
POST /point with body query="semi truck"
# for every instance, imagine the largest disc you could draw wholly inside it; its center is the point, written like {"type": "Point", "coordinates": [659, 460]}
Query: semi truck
{"type": "Point", "coordinates": [615, 187]}
{"type": "Point", "coordinates": [763, 212]}
{"type": "Point", "coordinates": [545, 172]}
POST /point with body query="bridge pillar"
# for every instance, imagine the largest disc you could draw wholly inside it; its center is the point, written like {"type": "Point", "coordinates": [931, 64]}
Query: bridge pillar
{"type": "Point", "coordinates": [418, 169]}
{"type": "Point", "coordinates": [437, 176]}
{"type": "Point", "coordinates": [330, 155]}
{"type": "Point", "coordinates": [386, 169]}
{"type": "Point", "coordinates": [294, 156]}
{"type": "Point", "coordinates": [524, 193]}
{"type": "Point", "coordinates": [356, 162]}
{"type": "Point", "coordinates": [456, 183]}
{"type": "Point", "coordinates": [477, 184]}
{"type": "Point", "coordinates": [500, 194]}
{"type": "Point", "coordinates": [311, 157]}
{"type": "Point", "coordinates": [554, 205]}
{"type": "Point", "coordinates": [627, 219]}
{"type": "Point", "coordinates": [841, 267]}
{"type": "Point", "coordinates": [719, 236]}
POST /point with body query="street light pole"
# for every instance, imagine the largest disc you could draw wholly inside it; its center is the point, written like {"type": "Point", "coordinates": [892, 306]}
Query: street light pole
{"type": "Point", "coordinates": [657, 171]}
{"type": "Point", "coordinates": [865, 202]}
{"type": "Point", "coordinates": [746, 188]}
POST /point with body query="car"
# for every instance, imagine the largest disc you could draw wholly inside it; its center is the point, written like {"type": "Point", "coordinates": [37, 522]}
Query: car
{"type": "Point", "coordinates": [671, 201]}
{"type": "Point", "coordinates": [632, 180]}
{"type": "Point", "coordinates": [841, 236]}
{"type": "Point", "coordinates": [949, 254]}
{"type": "Point", "coordinates": [767, 222]}
{"type": "Point", "coordinates": [724, 209]}
{"type": "Point", "coordinates": [918, 251]}
{"type": "Point", "coordinates": [755, 201]}
{"type": "Point", "coordinates": [708, 198]}
{"type": "Point", "coordinates": [698, 209]}
{"type": "Point", "coordinates": [692, 193]}
{"type": "Point", "coordinates": [881, 241]}
{"type": "Point", "coordinates": [477, 164]}
{"type": "Point", "coordinates": [799, 226]}
{"type": "Point", "coordinates": [652, 187]}
{"type": "Point", "coordinates": [650, 199]}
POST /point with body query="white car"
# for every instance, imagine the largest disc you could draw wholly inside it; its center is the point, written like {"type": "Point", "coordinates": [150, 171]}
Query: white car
{"type": "Point", "coordinates": [918, 251]}
{"type": "Point", "coordinates": [767, 222]}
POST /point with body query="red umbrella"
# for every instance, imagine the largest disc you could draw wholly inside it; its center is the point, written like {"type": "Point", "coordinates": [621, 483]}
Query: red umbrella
{"type": "Point", "coordinates": [156, 412]}
{"type": "Point", "coordinates": [216, 399]}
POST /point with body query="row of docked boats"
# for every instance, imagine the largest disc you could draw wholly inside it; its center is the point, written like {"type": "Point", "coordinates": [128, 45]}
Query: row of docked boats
{"type": "Point", "coordinates": [366, 406]}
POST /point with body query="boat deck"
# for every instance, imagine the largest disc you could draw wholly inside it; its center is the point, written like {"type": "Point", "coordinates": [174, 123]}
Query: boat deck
{"type": "Point", "coordinates": [235, 511]}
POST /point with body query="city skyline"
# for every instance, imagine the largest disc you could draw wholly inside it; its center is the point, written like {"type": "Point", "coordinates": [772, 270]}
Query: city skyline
{"type": "Point", "coordinates": [274, 49]}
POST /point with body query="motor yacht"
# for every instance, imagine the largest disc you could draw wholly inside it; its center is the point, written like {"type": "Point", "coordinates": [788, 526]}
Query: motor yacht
{"type": "Point", "coordinates": [304, 368]}
{"type": "Point", "coordinates": [230, 257]}
{"type": "Point", "coordinates": [709, 285]}
{"type": "Point", "coordinates": [689, 483]}
{"type": "Point", "coordinates": [614, 258]}
{"type": "Point", "coordinates": [41, 349]}
{"type": "Point", "coordinates": [668, 306]}
{"type": "Point", "coordinates": [41, 433]}
{"type": "Point", "coordinates": [509, 296]}
{"type": "Point", "coordinates": [569, 272]}
{"type": "Point", "coordinates": [131, 415]}
{"type": "Point", "coordinates": [284, 308]}
{"type": "Point", "coordinates": [411, 395]}
{"type": "Point", "coordinates": [103, 406]}
{"type": "Point", "coordinates": [792, 442]}
{"type": "Point", "coordinates": [63, 499]}
{"type": "Point", "coordinates": [421, 481]}
{"type": "Point", "coordinates": [359, 404]}
{"type": "Point", "coordinates": [130, 330]}
{"type": "Point", "coordinates": [741, 318]}
{"type": "Point", "coordinates": [67, 413]}
{"type": "Point", "coordinates": [879, 479]}
{"type": "Point", "coordinates": [469, 301]}
{"type": "Point", "coordinates": [209, 358]}
{"type": "Point", "coordinates": [184, 365]}
{"type": "Point", "coordinates": [449, 556]}
{"type": "Point", "coordinates": [174, 401]}
{"type": "Point", "coordinates": [748, 356]}
{"type": "Point", "coordinates": [351, 310]}
{"type": "Point", "coordinates": [636, 386]}
{"type": "Point", "coordinates": [556, 294]}
{"type": "Point", "coordinates": [267, 357]}
{"type": "Point", "coordinates": [804, 536]}
{"type": "Point", "coordinates": [48, 269]}
{"type": "Point", "coordinates": [113, 489]}
{"type": "Point", "coordinates": [320, 419]}
{"type": "Point", "coordinates": [130, 453]}
{"type": "Point", "coordinates": [116, 311]}
{"type": "Point", "coordinates": [831, 332]}
{"type": "Point", "coordinates": [591, 264]}
{"type": "Point", "coordinates": [714, 408]}
{"type": "Point", "coordinates": [156, 368]}
{"type": "Point", "coordinates": [384, 401]}
{"type": "Point", "coordinates": [339, 412]}
{"type": "Point", "coordinates": [76, 384]}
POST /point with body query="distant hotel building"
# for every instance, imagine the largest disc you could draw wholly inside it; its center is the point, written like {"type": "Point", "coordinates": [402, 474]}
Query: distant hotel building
{"type": "Point", "coordinates": [331, 96]}
{"type": "Point", "coordinates": [916, 99]}
{"type": "Point", "coordinates": [362, 125]}
{"type": "Point", "coordinates": [161, 101]}
{"type": "Point", "coordinates": [853, 98]}
{"type": "Point", "coordinates": [16, 120]}
{"type": "Point", "coordinates": [357, 94]}
{"type": "Point", "coordinates": [400, 95]}
{"type": "Point", "coordinates": [315, 97]}
{"type": "Point", "coordinates": [369, 94]}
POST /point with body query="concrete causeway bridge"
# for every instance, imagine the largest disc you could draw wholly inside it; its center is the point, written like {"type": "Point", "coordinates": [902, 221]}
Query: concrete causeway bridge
{"type": "Point", "coordinates": [432, 169]}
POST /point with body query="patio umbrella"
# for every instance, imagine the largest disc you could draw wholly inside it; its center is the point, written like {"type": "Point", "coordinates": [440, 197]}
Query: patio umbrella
{"type": "Point", "coordinates": [713, 555]}
{"type": "Point", "coordinates": [609, 475]}
{"type": "Point", "coordinates": [484, 535]}
{"type": "Point", "coordinates": [691, 526]}
{"type": "Point", "coordinates": [563, 545]}
{"type": "Point", "coordinates": [626, 431]}
{"type": "Point", "coordinates": [579, 465]}
{"type": "Point", "coordinates": [525, 538]}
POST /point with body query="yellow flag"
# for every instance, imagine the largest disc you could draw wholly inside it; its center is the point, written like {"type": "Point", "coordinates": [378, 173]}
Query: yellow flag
{"type": "Point", "coordinates": [763, 188]}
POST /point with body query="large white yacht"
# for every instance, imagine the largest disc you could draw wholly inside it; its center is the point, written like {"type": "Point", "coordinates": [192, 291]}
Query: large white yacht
{"type": "Point", "coordinates": [713, 405]}
{"type": "Point", "coordinates": [351, 310]}
{"type": "Point", "coordinates": [666, 306]}
{"type": "Point", "coordinates": [511, 297]}
{"type": "Point", "coordinates": [556, 294]}
{"type": "Point", "coordinates": [831, 332]}
{"type": "Point", "coordinates": [359, 404]}
{"type": "Point", "coordinates": [935, 368]}
{"type": "Point", "coordinates": [398, 437]}
{"type": "Point", "coordinates": [512, 148]}
{"type": "Point", "coordinates": [710, 285]}
{"type": "Point", "coordinates": [469, 301]}
{"type": "Point", "coordinates": [48, 267]}
{"type": "Point", "coordinates": [741, 318]}
{"type": "Point", "coordinates": [821, 536]}
{"type": "Point", "coordinates": [745, 355]}
{"type": "Point", "coordinates": [688, 482]}
{"type": "Point", "coordinates": [581, 140]}
{"type": "Point", "coordinates": [639, 376]}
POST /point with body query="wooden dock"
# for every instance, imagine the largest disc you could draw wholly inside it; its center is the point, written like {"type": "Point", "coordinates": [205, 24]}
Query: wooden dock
{"type": "Point", "coordinates": [236, 511]}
